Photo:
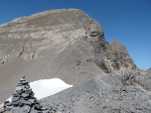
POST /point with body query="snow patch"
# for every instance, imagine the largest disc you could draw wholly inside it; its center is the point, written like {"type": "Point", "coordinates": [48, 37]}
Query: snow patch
{"type": "Point", "coordinates": [47, 87]}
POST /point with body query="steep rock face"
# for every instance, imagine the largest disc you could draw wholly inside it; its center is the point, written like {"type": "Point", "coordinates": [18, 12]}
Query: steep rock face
{"type": "Point", "coordinates": [59, 43]}
{"type": "Point", "coordinates": [119, 56]}
{"type": "Point", "coordinates": [28, 36]}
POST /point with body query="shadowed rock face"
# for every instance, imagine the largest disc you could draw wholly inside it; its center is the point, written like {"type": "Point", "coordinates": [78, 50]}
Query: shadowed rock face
{"type": "Point", "coordinates": [149, 70]}
{"type": "Point", "coordinates": [58, 43]}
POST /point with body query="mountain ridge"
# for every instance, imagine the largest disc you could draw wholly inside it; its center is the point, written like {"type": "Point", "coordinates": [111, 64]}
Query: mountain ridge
{"type": "Point", "coordinates": [67, 44]}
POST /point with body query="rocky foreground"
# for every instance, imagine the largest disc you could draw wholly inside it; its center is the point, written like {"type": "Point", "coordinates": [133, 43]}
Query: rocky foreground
{"type": "Point", "coordinates": [123, 92]}
{"type": "Point", "coordinates": [68, 44]}
{"type": "Point", "coordinates": [23, 101]}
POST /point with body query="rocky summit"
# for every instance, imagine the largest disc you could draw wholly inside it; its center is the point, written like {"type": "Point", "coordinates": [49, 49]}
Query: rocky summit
{"type": "Point", "coordinates": [63, 43]}
{"type": "Point", "coordinates": [68, 44]}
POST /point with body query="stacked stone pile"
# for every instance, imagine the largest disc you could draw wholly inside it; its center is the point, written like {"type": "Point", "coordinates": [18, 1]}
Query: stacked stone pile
{"type": "Point", "coordinates": [23, 101]}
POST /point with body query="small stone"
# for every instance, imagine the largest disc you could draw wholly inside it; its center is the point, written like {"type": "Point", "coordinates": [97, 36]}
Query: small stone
{"type": "Point", "coordinates": [32, 100]}
{"type": "Point", "coordinates": [29, 91]}
{"type": "Point", "coordinates": [38, 107]}
{"type": "Point", "coordinates": [27, 87]}
{"type": "Point", "coordinates": [15, 104]}
{"type": "Point", "coordinates": [15, 98]}
{"type": "Point", "coordinates": [24, 109]}
{"type": "Point", "coordinates": [25, 95]}
{"type": "Point", "coordinates": [25, 102]}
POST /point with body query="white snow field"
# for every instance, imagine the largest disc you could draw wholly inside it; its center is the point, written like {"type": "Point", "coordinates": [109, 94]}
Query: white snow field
{"type": "Point", "coordinates": [47, 87]}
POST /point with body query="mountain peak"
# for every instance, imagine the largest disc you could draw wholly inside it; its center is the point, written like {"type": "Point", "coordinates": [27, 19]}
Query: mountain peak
{"type": "Point", "coordinates": [44, 13]}
{"type": "Point", "coordinates": [64, 43]}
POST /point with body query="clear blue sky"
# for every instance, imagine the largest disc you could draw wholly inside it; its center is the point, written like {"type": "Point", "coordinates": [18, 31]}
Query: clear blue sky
{"type": "Point", "coordinates": [129, 21]}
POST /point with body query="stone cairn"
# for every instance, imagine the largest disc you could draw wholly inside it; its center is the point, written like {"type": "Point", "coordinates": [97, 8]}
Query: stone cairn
{"type": "Point", "coordinates": [23, 101]}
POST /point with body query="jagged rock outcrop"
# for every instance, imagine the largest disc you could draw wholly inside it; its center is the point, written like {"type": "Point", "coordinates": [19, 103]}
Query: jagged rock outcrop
{"type": "Point", "coordinates": [65, 43]}
{"type": "Point", "coordinates": [108, 57]}
{"type": "Point", "coordinates": [23, 101]}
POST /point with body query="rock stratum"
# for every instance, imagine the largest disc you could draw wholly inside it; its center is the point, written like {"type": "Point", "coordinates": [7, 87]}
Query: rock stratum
{"type": "Point", "coordinates": [68, 44]}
